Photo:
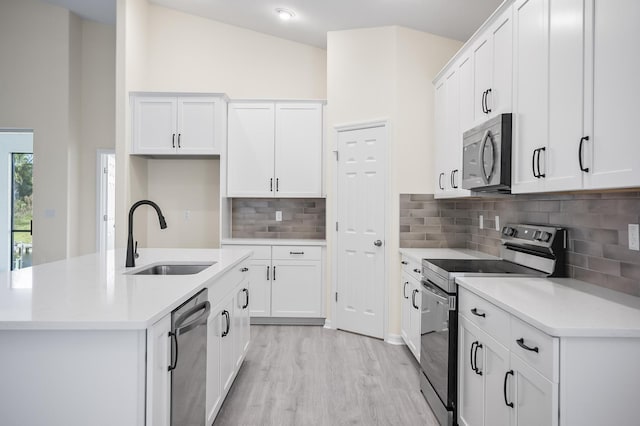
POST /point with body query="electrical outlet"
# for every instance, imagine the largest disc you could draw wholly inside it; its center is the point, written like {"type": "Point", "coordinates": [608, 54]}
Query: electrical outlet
{"type": "Point", "coordinates": [497, 223]}
{"type": "Point", "coordinates": [481, 222]}
{"type": "Point", "coordinates": [634, 238]}
{"type": "Point", "coordinates": [278, 216]}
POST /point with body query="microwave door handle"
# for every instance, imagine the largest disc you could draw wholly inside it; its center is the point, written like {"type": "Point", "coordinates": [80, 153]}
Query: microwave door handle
{"type": "Point", "coordinates": [483, 145]}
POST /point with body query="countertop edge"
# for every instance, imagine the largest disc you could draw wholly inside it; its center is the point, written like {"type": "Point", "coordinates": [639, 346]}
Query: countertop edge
{"type": "Point", "coordinates": [271, 242]}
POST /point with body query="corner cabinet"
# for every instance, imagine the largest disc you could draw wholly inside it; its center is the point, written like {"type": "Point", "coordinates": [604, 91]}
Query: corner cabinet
{"type": "Point", "coordinates": [275, 149]}
{"type": "Point", "coordinates": [169, 125]}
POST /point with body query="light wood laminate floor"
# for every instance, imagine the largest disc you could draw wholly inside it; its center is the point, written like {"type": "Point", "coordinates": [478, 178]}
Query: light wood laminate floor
{"type": "Point", "coordinates": [297, 375]}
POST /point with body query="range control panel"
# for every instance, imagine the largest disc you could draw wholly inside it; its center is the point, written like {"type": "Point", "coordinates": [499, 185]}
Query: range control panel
{"type": "Point", "coordinates": [529, 233]}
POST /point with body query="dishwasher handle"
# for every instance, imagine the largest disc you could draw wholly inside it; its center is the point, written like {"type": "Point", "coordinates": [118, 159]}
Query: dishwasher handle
{"type": "Point", "coordinates": [184, 326]}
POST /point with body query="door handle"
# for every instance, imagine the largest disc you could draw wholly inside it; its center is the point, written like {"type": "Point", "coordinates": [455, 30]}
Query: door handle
{"type": "Point", "coordinates": [246, 303]}
{"type": "Point", "coordinates": [173, 140]}
{"type": "Point", "coordinates": [404, 290]}
{"type": "Point", "coordinates": [377, 243]}
{"type": "Point", "coordinates": [268, 267]}
{"type": "Point", "coordinates": [227, 318]}
{"type": "Point", "coordinates": [520, 343]}
{"type": "Point", "coordinates": [271, 185]}
{"type": "Point", "coordinates": [179, 134]}
{"type": "Point", "coordinates": [504, 389]}
{"type": "Point", "coordinates": [174, 340]}
{"type": "Point", "coordinates": [453, 179]}
{"type": "Point", "coordinates": [540, 150]}
{"type": "Point", "coordinates": [475, 358]}
{"type": "Point", "coordinates": [473, 367]}
{"type": "Point", "coordinates": [582, 140]}
{"type": "Point", "coordinates": [274, 273]}
{"type": "Point", "coordinates": [486, 101]}
{"type": "Point", "coordinates": [475, 312]}
{"type": "Point", "coordinates": [440, 181]}
{"type": "Point", "coordinates": [533, 163]}
{"type": "Point", "coordinates": [413, 298]}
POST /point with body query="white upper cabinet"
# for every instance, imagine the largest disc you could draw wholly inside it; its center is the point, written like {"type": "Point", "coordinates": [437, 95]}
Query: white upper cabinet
{"type": "Point", "coordinates": [613, 146]}
{"type": "Point", "coordinates": [250, 149]}
{"type": "Point", "coordinates": [178, 125]}
{"type": "Point", "coordinates": [275, 149]}
{"type": "Point", "coordinates": [492, 69]}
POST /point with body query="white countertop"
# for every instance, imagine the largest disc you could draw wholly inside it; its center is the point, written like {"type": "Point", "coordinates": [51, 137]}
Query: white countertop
{"type": "Point", "coordinates": [271, 242]}
{"type": "Point", "coordinates": [443, 253]}
{"type": "Point", "coordinates": [561, 307]}
{"type": "Point", "coordinates": [93, 293]}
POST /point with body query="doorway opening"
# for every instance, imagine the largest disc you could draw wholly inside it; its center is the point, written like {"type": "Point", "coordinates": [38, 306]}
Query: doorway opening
{"type": "Point", "coordinates": [106, 200]}
{"type": "Point", "coordinates": [16, 189]}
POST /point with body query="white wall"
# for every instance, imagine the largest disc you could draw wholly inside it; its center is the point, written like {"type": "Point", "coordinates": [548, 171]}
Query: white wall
{"type": "Point", "coordinates": [379, 73]}
{"type": "Point", "coordinates": [178, 52]}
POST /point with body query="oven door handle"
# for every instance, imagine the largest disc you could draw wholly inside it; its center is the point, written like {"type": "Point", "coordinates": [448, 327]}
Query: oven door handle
{"type": "Point", "coordinates": [428, 287]}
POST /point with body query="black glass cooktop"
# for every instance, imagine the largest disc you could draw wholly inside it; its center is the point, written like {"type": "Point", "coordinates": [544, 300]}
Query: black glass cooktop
{"type": "Point", "coordinates": [481, 266]}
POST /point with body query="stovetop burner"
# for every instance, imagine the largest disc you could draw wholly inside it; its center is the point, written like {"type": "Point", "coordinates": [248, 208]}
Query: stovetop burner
{"type": "Point", "coordinates": [482, 266]}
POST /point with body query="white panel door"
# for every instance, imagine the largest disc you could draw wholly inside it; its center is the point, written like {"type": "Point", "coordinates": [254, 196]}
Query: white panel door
{"type": "Point", "coordinates": [361, 235]}
{"type": "Point", "coordinates": [260, 288]}
{"type": "Point", "coordinates": [296, 288]}
{"type": "Point", "coordinates": [298, 150]}
{"type": "Point", "coordinates": [499, 100]}
{"type": "Point", "coordinates": [197, 126]}
{"type": "Point", "coordinates": [535, 398]}
{"type": "Point", "coordinates": [566, 95]}
{"type": "Point", "coordinates": [158, 376]}
{"type": "Point", "coordinates": [250, 163]}
{"type": "Point", "coordinates": [154, 125]}
{"type": "Point", "coordinates": [531, 122]}
{"type": "Point", "coordinates": [616, 88]}
{"type": "Point", "coordinates": [470, 383]}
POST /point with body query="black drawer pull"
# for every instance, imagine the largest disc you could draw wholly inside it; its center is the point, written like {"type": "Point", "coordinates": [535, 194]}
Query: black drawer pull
{"type": "Point", "coordinates": [504, 389]}
{"type": "Point", "coordinates": [416, 270]}
{"type": "Point", "coordinates": [520, 343]}
{"type": "Point", "coordinates": [296, 252]}
{"type": "Point", "coordinates": [404, 263]}
{"type": "Point", "coordinates": [475, 312]}
{"type": "Point", "coordinates": [244, 269]}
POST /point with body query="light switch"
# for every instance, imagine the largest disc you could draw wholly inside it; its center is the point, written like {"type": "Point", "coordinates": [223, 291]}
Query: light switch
{"type": "Point", "coordinates": [278, 216]}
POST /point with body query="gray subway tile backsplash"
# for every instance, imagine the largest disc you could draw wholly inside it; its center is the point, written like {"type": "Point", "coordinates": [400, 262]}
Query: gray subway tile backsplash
{"type": "Point", "coordinates": [596, 224]}
{"type": "Point", "coordinates": [302, 218]}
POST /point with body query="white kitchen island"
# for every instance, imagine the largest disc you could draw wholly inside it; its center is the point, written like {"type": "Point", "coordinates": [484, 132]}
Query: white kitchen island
{"type": "Point", "coordinates": [83, 341]}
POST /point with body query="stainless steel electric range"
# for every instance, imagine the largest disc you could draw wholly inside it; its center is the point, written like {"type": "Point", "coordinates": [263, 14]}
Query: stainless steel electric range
{"type": "Point", "coordinates": [526, 250]}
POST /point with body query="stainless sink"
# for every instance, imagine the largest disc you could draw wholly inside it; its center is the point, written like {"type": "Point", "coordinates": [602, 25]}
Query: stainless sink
{"type": "Point", "coordinates": [174, 269]}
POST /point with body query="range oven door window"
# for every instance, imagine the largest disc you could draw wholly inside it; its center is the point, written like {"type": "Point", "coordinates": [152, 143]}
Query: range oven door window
{"type": "Point", "coordinates": [438, 341]}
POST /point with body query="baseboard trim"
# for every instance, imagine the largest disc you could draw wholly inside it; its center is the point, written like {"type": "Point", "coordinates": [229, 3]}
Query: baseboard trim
{"type": "Point", "coordinates": [286, 321]}
{"type": "Point", "coordinates": [394, 339]}
{"type": "Point", "coordinates": [327, 324]}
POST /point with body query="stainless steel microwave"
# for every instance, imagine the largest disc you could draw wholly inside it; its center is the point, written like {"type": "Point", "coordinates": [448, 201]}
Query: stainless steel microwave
{"type": "Point", "coordinates": [486, 156]}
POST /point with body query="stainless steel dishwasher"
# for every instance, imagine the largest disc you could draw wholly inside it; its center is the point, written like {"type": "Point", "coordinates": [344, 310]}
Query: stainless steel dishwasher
{"type": "Point", "coordinates": [189, 361]}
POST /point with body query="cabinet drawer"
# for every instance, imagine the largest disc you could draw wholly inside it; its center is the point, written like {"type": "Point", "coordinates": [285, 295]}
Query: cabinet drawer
{"type": "Point", "coordinates": [412, 267]}
{"type": "Point", "coordinates": [297, 252]}
{"type": "Point", "coordinates": [485, 315]}
{"type": "Point", "coordinates": [222, 286]}
{"type": "Point", "coordinates": [543, 352]}
{"type": "Point", "coordinates": [259, 252]}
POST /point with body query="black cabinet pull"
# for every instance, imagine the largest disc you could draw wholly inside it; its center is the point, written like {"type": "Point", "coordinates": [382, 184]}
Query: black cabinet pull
{"type": "Point", "coordinates": [475, 359]}
{"type": "Point", "coordinates": [520, 343]}
{"type": "Point", "coordinates": [453, 178]}
{"type": "Point", "coordinates": [404, 262]}
{"type": "Point", "coordinates": [173, 140]}
{"type": "Point", "coordinates": [271, 185]}
{"type": "Point", "coordinates": [475, 312]}
{"type": "Point", "coordinates": [179, 134]}
{"type": "Point", "coordinates": [413, 298]}
{"type": "Point", "coordinates": [296, 252]}
{"type": "Point", "coordinates": [225, 314]}
{"type": "Point", "coordinates": [274, 273]}
{"type": "Point", "coordinates": [404, 290]}
{"type": "Point", "coordinates": [246, 303]}
{"type": "Point", "coordinates": [582, 140]}
{"type": "Point", "coordinates": [244, 269]}
{"type": "Point", "coordinates": [416, 270]}
{"type": "Point", "coordinates": [473, 367]}
{"type": "Point", "coordinates": [504, 389]}
{"type": "Point", "coordinates": [174, 341]}
{"type": "Point", "coordinates": [277, 184]}
{"type": "Point", "coordinates": [540, 150]}
{"type": "Point", "coordinates": [268, 272]}
{"type": "Point", "coordinates": [533, 163]}
{"type": "Point", "coordinates": [486, 101]}
{"type": "Point", "coordinates": [440, 181]}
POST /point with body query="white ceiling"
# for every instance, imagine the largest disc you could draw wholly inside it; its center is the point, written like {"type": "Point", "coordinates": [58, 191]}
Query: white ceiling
{"type": "Point", "coordinates": [457, 19]}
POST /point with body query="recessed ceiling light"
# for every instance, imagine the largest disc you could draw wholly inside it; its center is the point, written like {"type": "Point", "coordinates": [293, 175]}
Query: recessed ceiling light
{"type": "Point", "coordinates": [285, 14]}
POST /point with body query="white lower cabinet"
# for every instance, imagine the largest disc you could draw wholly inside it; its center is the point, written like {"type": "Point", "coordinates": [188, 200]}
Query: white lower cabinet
{"type": "Point", "coordinates": [411, 305]}
{"type": "Point", "coordinates": [286, 281]}
{"type": "Point", "coordinates": [158, 375]}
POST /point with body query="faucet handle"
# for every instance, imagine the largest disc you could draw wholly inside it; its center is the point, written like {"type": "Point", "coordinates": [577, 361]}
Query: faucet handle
{"type": "Point", "coordinates": [135, 251]}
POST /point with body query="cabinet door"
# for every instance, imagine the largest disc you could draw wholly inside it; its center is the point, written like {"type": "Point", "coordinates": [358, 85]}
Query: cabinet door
{"type": "Point", "coordinates": [154, 125]}
{"type": "Point", "coordinates": [616, 66]}
{"type": "Point", "coordinates": [260, 288]}
{"type": "Point", "coordinates": [296, 289]}
{"type": "Point", "coordinates": [405, 288]}
{"type": "Point", "coordinates": [250, 163]}
{"type": "Point", "coordinates": [499, 100]}
{"type": "Point", "coordinates": [214, 378]}
{"type": "Point", "coordinates": [227, 353]}
{"type": "Point", "coordinates": [495, 364]}
{"type": "Point", "coordinates": [241, 322]}
{"type": "Point", "coordinates": [440, 134]}
{"type": "Point", "coordinates": [158, 376]}
{"type": "Point", "coordinates": [466, 93]}
{"type": "Point", "coordinates": [470, 383]}
{"type": "Point", "coordinates": [197, 126]}
{"type": "Point", "coordinates": [453, 136]}
{"type": "Point", "coordinates": [482, 62]}
{"type": "Point", "coordinates": [415, 300]}
{"type": "Point", "coordinates": [298, 150]}
{"type": "Point", "coordinates": [531, 38]}
{"type": "Point", "coordinates": [535, 398]}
